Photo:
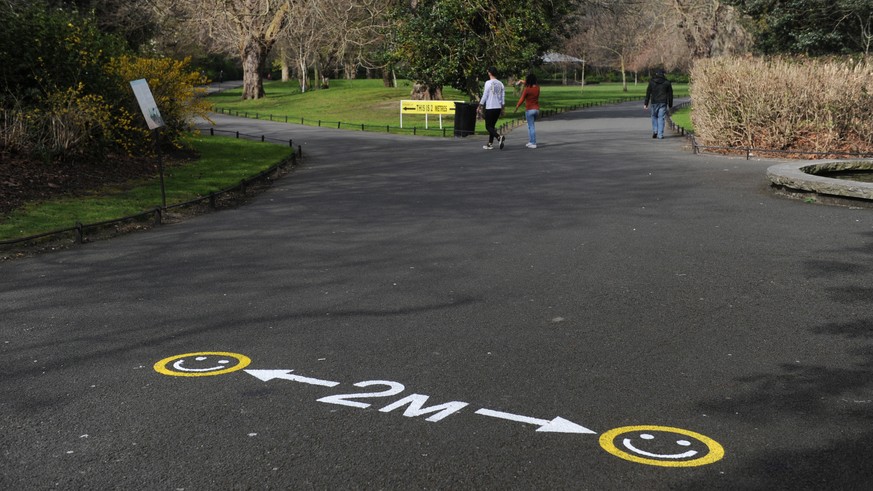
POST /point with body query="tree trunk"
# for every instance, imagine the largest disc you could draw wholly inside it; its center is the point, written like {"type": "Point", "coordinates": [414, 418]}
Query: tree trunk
{"type": "Point", "coordinates": [286, 71]}
{"type": "Point", "coordinates": [283, 63]}
{"type": "Point", "coordinates": [623, 76]}
{"type": "Point", "coordinates": [254, 59]}
{"type": "Point", "coordinates": [255, 48]}
{"type": "Point", "coordinates": [424, 92]}
{"type": "Point", "coordinates": [302, 74]}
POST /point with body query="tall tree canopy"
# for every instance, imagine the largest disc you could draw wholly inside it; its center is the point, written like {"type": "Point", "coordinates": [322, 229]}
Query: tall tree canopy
{"type": "Point", "coordinates": [452, 42]}
{"type": "Point", "coordinates": [812, 27]}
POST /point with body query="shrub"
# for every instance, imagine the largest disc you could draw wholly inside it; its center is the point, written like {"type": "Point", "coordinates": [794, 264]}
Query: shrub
{"type": "Point", "coordinates": [174, 86]}
{"type": "Point", "coordinates": [65, 88]}
{"type": "Point", "coordinates": [73, 123]}
{"type": "Point", "coordinates": [53, 85]}
{"type": "Point", "coordinates": [45, 50]}
{"type": "Point", "coordinates": [795, 104]}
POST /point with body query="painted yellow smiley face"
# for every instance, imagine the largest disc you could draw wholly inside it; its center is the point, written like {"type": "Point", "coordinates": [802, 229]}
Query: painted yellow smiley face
{"type": "Point", "coordinates": [202, 364]}
{"type": "Point", "coordinates": [662, 446]}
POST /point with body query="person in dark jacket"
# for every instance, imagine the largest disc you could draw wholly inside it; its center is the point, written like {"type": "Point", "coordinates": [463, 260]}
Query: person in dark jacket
{"type": "Point", "coordinates": [659, 96]}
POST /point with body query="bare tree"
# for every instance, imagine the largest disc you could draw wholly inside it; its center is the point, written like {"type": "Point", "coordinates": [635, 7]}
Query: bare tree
{"type": "Point", "coordinates": [248, 27]}
{"type": "Point", "coordinates": [612, 32]}
{"type": "Point", "coordinates": [661, 42]}
{"type": "Point", "coordinates": [709, 27]}
{"type": "Point", "coordinates": [302, 37]}
{"type": "Point", "coordinates": [360, 27]}
{"type": "Point", "coordinates": [332, 33]}
{"type": "Point", "coordinates": [639, 34]}
{"type": "Point", "coordinates": [853, 12]}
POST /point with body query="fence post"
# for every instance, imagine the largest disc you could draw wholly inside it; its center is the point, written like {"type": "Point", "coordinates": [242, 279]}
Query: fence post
{"type": "Point", "coordinates": [263, 138]}
{"type": "Point", "coordinates": [80, 234]}
{"type": "Point", "coordinates": [211, 131]}
{"type": "Point", "coordinates": [300, 151]}
{"type": "Point", "coordinates": [338, 124]}
{"type": "Point", "coordinates": [237, 135]}
{"type": "Point", "coordinates": [291, 143]}
{"type": "Point", "coordinates": [157, 215]}
{"type": "Point", "coordinates": [212, 200]}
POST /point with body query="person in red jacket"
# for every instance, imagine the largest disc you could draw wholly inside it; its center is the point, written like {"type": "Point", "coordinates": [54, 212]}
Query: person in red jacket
{"type": "Point", "coordinates": [530, 96]}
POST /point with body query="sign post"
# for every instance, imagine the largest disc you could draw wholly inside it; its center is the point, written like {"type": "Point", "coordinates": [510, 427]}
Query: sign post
{"type": "Point", "coordinates": [427, 107]}
{"type": "Point", "coordinates": [153, 119]}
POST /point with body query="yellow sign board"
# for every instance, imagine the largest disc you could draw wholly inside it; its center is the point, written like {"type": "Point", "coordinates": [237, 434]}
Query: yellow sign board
{"type": "Point", "coordinates": [427, 107]}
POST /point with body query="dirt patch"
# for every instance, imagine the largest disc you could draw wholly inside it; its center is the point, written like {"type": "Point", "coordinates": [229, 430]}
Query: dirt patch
{"type": "Point", "coordinates": [24, 180]}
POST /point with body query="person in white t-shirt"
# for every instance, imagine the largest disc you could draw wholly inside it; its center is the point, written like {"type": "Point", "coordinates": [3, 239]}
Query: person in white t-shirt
{"type": "Point", "coordinates": [492, 104]}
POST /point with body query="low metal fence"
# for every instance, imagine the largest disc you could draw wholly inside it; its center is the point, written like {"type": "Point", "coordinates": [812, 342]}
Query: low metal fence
{"type": "Point", "coordinates": [445, 131]}
{"type": "Point", "coordinates": [545, 113]}
{"type": "Point", "coordinates": [156, 214]}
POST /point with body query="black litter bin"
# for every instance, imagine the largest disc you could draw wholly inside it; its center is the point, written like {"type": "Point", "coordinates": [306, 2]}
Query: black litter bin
{"type": "Point", "coordinates": [465, 118]}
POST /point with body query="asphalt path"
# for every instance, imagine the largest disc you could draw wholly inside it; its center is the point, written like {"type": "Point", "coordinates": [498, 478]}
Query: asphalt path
{"type": "Point", "coordinates": [429, 308]}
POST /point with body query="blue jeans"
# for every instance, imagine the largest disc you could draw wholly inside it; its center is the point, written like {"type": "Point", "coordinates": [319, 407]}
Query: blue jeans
{"type": "Point", "coordinates": [659, 116]}
{"type": "Point", "coordinates": [531, 115]}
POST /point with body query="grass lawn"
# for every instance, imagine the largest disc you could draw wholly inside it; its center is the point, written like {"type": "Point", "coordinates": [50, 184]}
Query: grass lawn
{"type": "Point", "coordinates": [369, 102]}
{"type": "Point", "coordinates": [223, 162]}
{"type": "Point", "coordinates": [682, 117]}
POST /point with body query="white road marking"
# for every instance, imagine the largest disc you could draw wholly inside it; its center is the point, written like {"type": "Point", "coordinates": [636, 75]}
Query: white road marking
{"type": "Point", "coordinates": [557, 425]}
{"type": "Point", "coordinates": [267, 375]}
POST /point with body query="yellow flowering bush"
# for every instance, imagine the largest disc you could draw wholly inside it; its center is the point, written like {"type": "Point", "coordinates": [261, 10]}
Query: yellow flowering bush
{"type": "Point", "coordinates": [72, 122]}
{"type": "Point", "coordinates": [175, 87]}
{"type": "Point", "coordinates": [65, 90]}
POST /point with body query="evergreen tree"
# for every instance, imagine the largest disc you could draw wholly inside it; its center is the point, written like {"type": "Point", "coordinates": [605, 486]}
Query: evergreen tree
{"type": "Point", "coordinates": [451, 42]}
{"type": "Point", "coordinates": [813, 27]}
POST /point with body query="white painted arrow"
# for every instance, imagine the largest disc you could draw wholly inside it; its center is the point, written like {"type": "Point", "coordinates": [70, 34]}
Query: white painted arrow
{"type": "Point", "coordinates": [267, 375]}
{"type": "Point", "coordinates": [557, 425]}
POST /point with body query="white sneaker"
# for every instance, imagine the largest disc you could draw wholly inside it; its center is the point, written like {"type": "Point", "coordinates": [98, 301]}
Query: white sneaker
{"type": "Point", "coordinates": [530, 145]}
{"type": "Point", "coordinates": [488, 147]}
{"type": "Point", "coordinates": [501, 139]}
